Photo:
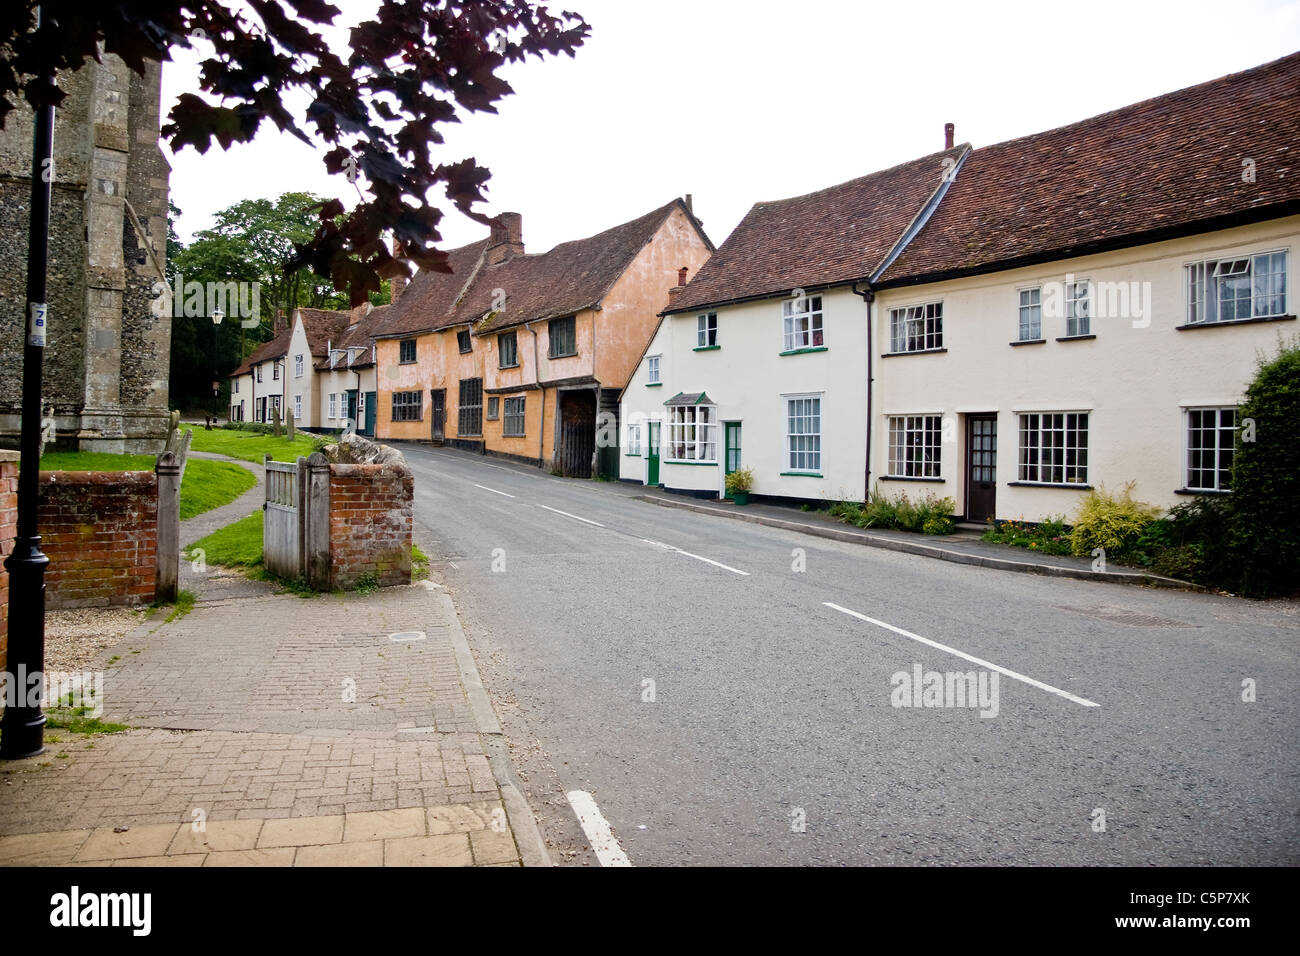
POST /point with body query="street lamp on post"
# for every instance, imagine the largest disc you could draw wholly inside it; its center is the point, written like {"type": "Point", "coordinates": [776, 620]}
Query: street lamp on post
{"type": "Point", "coordinates": [217, 316]}
{"type": "Point", "coordinates": [22, 730]}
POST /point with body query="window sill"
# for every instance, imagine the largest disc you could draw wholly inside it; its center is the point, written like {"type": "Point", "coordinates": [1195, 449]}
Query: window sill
{"type": "Point", "coordinates": [801, 474]}
{"type": "Point", "coordinates": [466, 351]}
{"type": "Point", "coordinates": [1030, 342]}
{"type": "Point", "coordinates": [653, 384]}
{"type": "Point", "coordinates": [682, 461]}
{"type": "Point", "coordinates": [1069, 486]}
{"type": "Point", "coordinates": [914, 352]}
{"type": "Point", "coordinates": [504, 367]}
{"type": "Point", "coordinates": [562, 355]}
{"type": "Point", "coordinates": [810, 348]}
{"type": "Point", "coordinates": [507, 435]}
{"type": "Point", "coordinates": [1194, 491]}
{"type": "Point", "coordinates": [706, 348]}
{"type": "Point", "coordinates": [939, 481]}
{"type": "Point", "coordinates": [1076, 338]}
{"type": "Point", "coordinates": [633, 454]}
{"type": "Point", "coordinates": [406, 362]}
{"type": "Point", "coordinates": [1215, 325]}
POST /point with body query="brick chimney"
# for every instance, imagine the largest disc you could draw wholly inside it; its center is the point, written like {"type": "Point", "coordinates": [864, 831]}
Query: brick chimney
{"type": "Point", "coordinates": [507, 238]}
{"type": "Point", "coordinates": [279, 324]}
{"type": "Point", "coordinates": [397, 284]}
{"type": "Point", "coordinates": [676, 290]}
{"type": "Point", "coordinates": [949, 131]}
{"type": "Point", "coordinates": [681, 276]}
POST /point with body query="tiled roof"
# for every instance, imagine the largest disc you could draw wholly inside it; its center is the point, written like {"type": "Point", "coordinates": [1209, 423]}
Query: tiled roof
{"type": "Point", "coordinates": [429, 301]}
{"type": "Point", "coordinates": [831, 236]}
{"type": "Point", "coordinates": [1136, 174]}
{"type": "Point", "coordinates": [358, 333]}
{"type": "Point", "coordinates": [323, 326]}
{"type": "Point", "coordinates": [275, 348]}
{"type": "Point", "coordinates": [571, 277]}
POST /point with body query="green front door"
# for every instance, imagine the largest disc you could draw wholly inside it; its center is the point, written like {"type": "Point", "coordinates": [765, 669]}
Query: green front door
{"type": "Point", "coordinates": [372, 408]}
{"type": "Point", "coordinates": [732, 460]}
{"type": "Point", "coordinates": [652, 456]}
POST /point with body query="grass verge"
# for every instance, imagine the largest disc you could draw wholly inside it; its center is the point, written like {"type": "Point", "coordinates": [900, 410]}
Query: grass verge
{"type": "Point", "coordinates": [236, 545]}
{"type": "Point", "coordinates": [253, 446]}
{"type": "Point", "coordinates": [211, 484]}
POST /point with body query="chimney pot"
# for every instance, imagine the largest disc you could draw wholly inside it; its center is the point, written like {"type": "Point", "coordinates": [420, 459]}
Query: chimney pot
{"type": "Point", "coordinates": [681, 276]}
{"type": "Point", "coordinates": [507, 238]}
{"type": "Point", "coordinates": [949, 131]}
{"type": "Point", "coordinates": [690, 205]}
{"type": "Point", "coordinates": [397, 284]}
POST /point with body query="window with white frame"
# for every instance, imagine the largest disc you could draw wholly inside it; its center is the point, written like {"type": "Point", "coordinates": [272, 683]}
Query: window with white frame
{"type": "Point", "coordinates": [275, 371]}
{"type": "Point", "coordinates": [1211, 444]}
{"type": "Point", "coordinates": [1229, 290]}
{"type": "Point", "coordinates": [914, 445]}
{"type": "Point", "coordinates": [1031, 314]}
{"type": "Point", "coordinates": [236, 386]}
{"type": "Point", "coordinates": [693, 433]}
{"type": "Point", "coordinates": [1054, 448]}
{"type": "Point", "coordinates": [512, 418]}
{"type": "Point", "coordinates": [297, 408]}
{"type": "Point", "coordinates": [297, 366]}
{"type": "Point", "coordinates": [916, 328]}
{"type": "Point", "coordinates": [802, 323]}
{"type": "Point", "coordinates": [633, 439]}
{"type": "Point", "coordinates": [334, 405]}
{"type": "Point", "coordinates": [652, 369]}
{"type": "Point", "coordinates": [259, 371]}
{"type": "Point", "coordinates": [1078, 308]}
{"type": "Point", "coordinates": [803, 433]}
{"type": "Point", "coordinates": [706, 335]}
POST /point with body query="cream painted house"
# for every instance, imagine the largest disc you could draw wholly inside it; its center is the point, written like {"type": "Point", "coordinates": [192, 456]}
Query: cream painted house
{"type": "Point", "coordinates": [1076, 308]}
{"type": "Point", "coordinates": [257, 385]}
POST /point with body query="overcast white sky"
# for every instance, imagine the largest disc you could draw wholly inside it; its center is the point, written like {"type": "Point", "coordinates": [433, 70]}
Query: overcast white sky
{"type": "Point", "coordinates": [738, 102]}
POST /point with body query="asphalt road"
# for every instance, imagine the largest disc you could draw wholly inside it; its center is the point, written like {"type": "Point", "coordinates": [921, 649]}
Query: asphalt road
{"type": "Point", "coordinates": [771, 737]}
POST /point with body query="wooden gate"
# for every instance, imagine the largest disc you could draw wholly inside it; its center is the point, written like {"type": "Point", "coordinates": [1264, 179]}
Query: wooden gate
{"type": "Point", "coordinates": [577, 433]}
{"type": "Point", "coordinates": [281, 528]}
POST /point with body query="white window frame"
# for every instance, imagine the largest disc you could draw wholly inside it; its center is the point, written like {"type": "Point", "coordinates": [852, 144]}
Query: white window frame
{"type": "Point", "coordinates": [803, 324]}
{"type": "Point", "coordinates": [915, 446]}
{"type": "Point", "coordinates": [259, 371]}
{"type": "Point", "coordinates": [334, 405]}
{"type": "Point", "coordinates": [916, 328]}
{"type": "Point", "coordinates": [1078, 308]}
{"type": "Point", "coordinates": [297, 366]}
{"type": "Point", "coordinates": [654, 369]}
{"type": "Point", "coordinates": [520, 414]}
{"type": "Point", "coordinates": [1219, 431]}
{"type": "Point", "coordinates": [1204, 309]}
{"type": "Point", "coordinates": [693, 430]}
{"type": "Point", "coordinates": [1037, 305]}
{"type": "Point", "coordinates": [633, 440]}
{"type": "Point", "coordinates": [1031, 472]}
{"type": "Point", "coordinates": [788, 451]}
{"type": "Point", "coordinates": [706, 330]}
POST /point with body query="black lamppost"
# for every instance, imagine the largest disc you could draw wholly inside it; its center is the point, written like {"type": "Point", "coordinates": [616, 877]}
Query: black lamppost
{"type": "Point", "coordinates": [22, 730]}
{"type": "Point", "coordinates": [217, 316]}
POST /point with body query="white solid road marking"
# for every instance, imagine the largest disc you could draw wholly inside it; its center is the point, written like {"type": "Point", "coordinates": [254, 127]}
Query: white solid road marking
{"type": "Point", "coordinates": [493, 490]}
{"type": "Point", "coordinates": [969, 657]}
{"type": "Point", "coordinates": [697, 557]}
{"type": "Point", "coordinates": [597, 829]}
{"type": "Point", "coordinates": [574, 517]}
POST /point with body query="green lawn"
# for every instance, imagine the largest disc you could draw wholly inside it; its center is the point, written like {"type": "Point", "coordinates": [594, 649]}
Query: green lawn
{"type": "Point", "coordinates": [235, 545]}
{"type": "Point", "coordinates": [211, 484]}
{"type": "Point", "coordinates": [251, 446]}
{"type": "Point", "coordinates": [206, 485]}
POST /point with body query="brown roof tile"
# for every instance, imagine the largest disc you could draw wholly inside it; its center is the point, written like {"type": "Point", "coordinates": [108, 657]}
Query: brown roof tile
{"type": "Point", "coordinates": [429, 300]}
{"type": "Point", "coordinates": [832, 236]}
{"type": "Point", "coordinates": [1133, 175]}
{"type": "Point", "coordinates": [357, 333]}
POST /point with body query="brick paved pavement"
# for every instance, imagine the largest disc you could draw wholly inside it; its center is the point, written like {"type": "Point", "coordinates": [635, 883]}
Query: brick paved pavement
{"type": "Point", "coordinates": [268, 709]}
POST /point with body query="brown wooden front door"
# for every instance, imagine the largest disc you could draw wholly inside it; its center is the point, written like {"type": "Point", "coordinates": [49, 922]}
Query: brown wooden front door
{"type": "Point", "coordinates": [981, 467]}
{"type": "Point", "coordinates": [439, 414]}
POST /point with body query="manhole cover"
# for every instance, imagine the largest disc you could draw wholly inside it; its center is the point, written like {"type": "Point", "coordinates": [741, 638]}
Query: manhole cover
{"type": "Point", "coordinates": [1120, 615]}
{"type": "Point", "coordinates": [406, 636]}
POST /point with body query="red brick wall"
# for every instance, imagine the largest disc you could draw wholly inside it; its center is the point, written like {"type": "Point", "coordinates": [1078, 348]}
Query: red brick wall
{"type": "Point", "coordinates": [8, 528]}
{"type": "Point", "coordinates": [100, 530]}
{"type": "Point", "coordinates": [370, 524]}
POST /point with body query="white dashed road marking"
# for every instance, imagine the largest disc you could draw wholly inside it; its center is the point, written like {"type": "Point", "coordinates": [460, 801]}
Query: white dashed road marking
{"type": "Point", "coordinates": [493, 490]}
{"type": "Point", "coordinates": [574, 517]}
{"type": "Point", "coordinates": [596, 827]}
{"type": "Point", "coordinates": [969, 657]}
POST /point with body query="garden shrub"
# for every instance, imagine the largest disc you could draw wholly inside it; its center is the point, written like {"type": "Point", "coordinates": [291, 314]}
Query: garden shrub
{"type": "Point", "coordinates": [1109, 522]}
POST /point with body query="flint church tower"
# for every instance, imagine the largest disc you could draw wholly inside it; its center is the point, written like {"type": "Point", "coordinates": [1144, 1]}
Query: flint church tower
{"type": "Point", "coordinates": [107, 353]}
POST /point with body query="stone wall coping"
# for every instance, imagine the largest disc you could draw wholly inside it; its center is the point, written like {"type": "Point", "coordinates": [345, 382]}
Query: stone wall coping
{"type": "Point", "coordinates": [147, 478]}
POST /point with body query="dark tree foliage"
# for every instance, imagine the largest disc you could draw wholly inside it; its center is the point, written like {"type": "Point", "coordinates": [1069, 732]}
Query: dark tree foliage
{"type": "Point", "coordinates": [378, 105]}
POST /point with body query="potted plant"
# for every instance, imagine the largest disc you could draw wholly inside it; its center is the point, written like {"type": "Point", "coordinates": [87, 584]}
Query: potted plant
{"type": "Point", "coordinates": [738, 485]}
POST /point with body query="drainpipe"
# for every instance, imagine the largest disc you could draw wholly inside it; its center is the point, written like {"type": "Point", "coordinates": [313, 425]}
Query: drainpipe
{"type": "Point", "coordinates": [868, 296]}
{"type": "Point", "coordinates": [537, 374]}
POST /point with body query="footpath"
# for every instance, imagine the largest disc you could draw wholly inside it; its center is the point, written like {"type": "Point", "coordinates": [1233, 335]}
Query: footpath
{"type": "Point", "coordinates": [267, 729]}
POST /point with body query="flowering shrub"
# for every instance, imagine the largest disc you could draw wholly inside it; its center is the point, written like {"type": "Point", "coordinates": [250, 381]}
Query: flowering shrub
{"type": "Point", "coordinates": [1047, 537]}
